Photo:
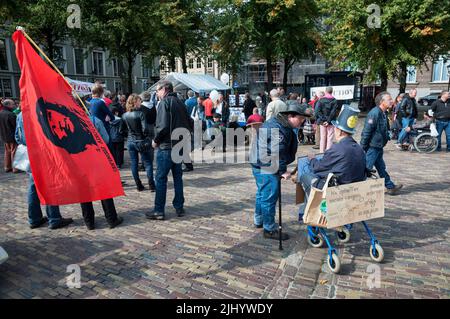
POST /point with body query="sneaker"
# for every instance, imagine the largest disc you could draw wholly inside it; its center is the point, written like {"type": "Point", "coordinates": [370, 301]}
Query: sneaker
{"type": "Point", "coordinates": [180, 212]}
{"type": "Point", "coordinates": [316, 147]}
{"type": "Point", "coordinates": [155, 215]}
{"type": "Point", "coordinates": [395, 190]}
{"type": "Point", "coordinates": [118, 221]}
{"type": "Point", "coordinates": [275, 235]}
{"type": "Point", "coordinates": [62, 223]}
{"type": "Point", "coordinates": [42, 222]}
{"type": "Point", "coordinates": [258, 226]}
{"type": "Point", "coordinates": [187, 169]}
{"type": "Point", "coordinates": [152, 187]}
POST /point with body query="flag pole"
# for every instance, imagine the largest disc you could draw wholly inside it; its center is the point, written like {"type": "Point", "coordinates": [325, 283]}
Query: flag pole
{"type": "Point", "coordinates": [21, 29]}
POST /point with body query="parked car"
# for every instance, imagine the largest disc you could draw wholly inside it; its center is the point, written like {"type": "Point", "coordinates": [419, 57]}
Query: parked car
{"type": "Point", "coordinates": [3, 255]}
{"type": "Point", "coordinates": [429, 99]}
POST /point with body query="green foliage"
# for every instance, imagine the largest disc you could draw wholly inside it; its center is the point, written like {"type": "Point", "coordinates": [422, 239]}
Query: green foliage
{"type": "Point", "coordinates": [411, 32]}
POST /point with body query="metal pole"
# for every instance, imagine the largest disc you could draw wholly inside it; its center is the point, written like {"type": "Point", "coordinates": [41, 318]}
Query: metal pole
{"type": "Point", "coordinates": [280, 228]}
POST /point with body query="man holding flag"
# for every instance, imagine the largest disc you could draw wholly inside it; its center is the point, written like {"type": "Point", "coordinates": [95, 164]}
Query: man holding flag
{"type": "Point", "coordinates": [69, 160]}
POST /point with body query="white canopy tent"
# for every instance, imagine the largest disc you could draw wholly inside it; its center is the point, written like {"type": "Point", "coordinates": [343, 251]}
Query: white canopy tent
{"type": "Point", "coordinates": [199, 83]}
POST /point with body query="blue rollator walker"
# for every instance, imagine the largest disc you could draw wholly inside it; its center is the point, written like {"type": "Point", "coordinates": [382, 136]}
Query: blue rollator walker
{"type": "Point", "coordinates": [317, 236]}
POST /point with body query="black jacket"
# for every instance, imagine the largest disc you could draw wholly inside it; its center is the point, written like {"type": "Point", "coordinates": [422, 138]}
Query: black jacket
{"type": "Point", "coordinates": [150, 114]}
{"type": "Point", "coordinates": [138, 129]}
{"type": "Point", "coordinates": [249, 105]}
{"type": "Point", "coordinates": [441, 110]}
{"type": "Point", "coordinates": [171, 115]}
{"type": "Point", "coordinates": [326, 110]}
{"type": "Point", "coordinates": [118, 130]}
{"type": "Point", "coordinates": [376, 130]}
{"type": "Point", "coordinates": [7, 126]}
{"type": "Point", "coordinates": [408, 107]}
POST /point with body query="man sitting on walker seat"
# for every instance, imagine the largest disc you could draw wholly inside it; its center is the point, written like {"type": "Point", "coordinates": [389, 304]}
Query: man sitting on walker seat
{"type": "Point", "coordinates": [345, 158]}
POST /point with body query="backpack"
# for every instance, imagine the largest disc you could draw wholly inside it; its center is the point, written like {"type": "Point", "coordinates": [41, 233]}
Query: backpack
{"type": "Point", "coordinates": [115, 135]}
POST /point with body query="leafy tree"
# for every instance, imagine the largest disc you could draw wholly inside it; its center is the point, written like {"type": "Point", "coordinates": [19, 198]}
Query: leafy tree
{"type": "Point", "coordinates": [126, 28]}
{"type": "Point", "coordinates": [410, 33]}
{"type": "Point", "coordinates": [44, 20]}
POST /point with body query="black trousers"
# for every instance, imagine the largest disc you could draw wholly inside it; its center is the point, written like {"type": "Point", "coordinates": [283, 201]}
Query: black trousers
{"type": "Point", "coordinates": [108, 208]}
{"type": "Point", "coordinates": [118, 151]}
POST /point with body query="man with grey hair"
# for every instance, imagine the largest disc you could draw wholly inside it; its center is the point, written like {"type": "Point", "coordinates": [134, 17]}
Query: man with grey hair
{"type": "Point", "coordinates": [7, 131]}
{"type": "Point", "coordinates": [375, 136]}
{"type": "Point", "coordinates": [276, 106]}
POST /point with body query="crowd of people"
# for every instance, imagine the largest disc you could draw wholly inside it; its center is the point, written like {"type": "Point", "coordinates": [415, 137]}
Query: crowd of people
{"type": "Point", "coordinates": [143, 125]}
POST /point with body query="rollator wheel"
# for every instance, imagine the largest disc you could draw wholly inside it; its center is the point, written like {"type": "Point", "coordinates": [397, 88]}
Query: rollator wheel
{"type": "Point", "coordinates": [334, 263]}
{"type": "Point", "coordinates": [316, 242]}
{"type": "Point", "coordinates": [376, 254]}
{"type": "Point", "coordinates": [344, 235]}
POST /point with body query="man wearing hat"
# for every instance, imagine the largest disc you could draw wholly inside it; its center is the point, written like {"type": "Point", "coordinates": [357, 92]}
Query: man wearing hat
{"type": "Point", "coordinates": [346, 158]}
{"type": "Point", "coordinates": [276, 148]}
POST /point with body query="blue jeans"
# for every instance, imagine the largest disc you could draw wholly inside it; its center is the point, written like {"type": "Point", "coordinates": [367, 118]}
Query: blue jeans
{"type": "Point", "coordinates": [404, 136]}
{"type": "Point", "coordinates": [266, 199]}
{"type": "Point", "coordinates": [305, 177]}
{"type": "Point", "coordinates": [147, 159]}
{"type": "Point", "coordinates": [34, 207]}
{"type": "Point", "coordinates": [164, 165]}
{"type": "Point", "coordinates": [442, 126]}
{"type": "Point", "coordinates": [374, 157]}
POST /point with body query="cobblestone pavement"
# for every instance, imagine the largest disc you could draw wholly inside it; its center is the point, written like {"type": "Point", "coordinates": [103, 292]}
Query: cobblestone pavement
{"type": "Point", "coordinates": [214, 252]}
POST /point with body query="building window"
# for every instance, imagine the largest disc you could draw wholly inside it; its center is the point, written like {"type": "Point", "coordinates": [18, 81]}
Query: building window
{"type": "Point", "coordinates": [59, 58]}
{"type": "Point", "coordinates": [145, 85]}
{"type": "Point", "coordinates": [98, 63]}
{"type": "Point", "coordinates": [3, 56]}
{"type": "Point", "coordinates": [117, 86]}
{"type": "Point", "coordinates": [146, 72]}
{"type": "Point", "coordinates": [210, 63]}
{"type": "Point", "coordinates": [440, 72]}
{"type": "Point", "coordinates": [411, 74]}
{"type": "Point", "coordinates": [80, 65]}
{"type": "Point", "coordinates": [5, 88]}
{"type": "Point", "coordinates": [115, 66]}
{"type": "Point", "coordinates": [191, 63]}
{"type": "Point", "coordinates": [199, 63]}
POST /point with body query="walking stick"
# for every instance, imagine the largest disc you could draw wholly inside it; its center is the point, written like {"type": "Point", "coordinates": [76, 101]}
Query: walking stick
{"type": "Point", "coordinates": [280, 228]}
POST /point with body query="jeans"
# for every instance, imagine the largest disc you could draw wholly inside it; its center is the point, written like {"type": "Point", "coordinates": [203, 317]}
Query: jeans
{"type": "Point", "coordinates": [209, 130]}
{"type": "Point", "coordinates": [34, 207]}
{"type": "Point", "coordinates": [164, 165]}
{"type": "Point", "coordinates": [268, 186]}
{"type": "Point", "coordinates": [441, 126]}
{"type": "Point", "coordinates": [147, 158]}
{"type": "Point", "coordinates": [404, 136]}
{"type": "Point", "coordinates": [374, 156]}
{"type": "Point", "coordinates": [307, 178]}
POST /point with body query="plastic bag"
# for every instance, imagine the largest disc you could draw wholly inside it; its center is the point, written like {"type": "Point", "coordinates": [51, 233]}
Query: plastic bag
{"type": "Point", "coordinates": [433, 130]}
{"type": "Point", "coordinates": [21, 161]}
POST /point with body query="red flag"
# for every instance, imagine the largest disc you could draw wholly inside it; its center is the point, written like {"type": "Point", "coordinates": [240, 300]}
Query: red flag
{"type": "Point", "coordinates": [68, 158]}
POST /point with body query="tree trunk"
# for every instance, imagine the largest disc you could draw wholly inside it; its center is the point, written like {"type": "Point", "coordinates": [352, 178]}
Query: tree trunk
{"type": "Point", "coordinates": [130, 60]}
{"type": "Point", "coordinates": [287, 67]}
{"type": "Point", "coordinates": [384, 80]}
{"type": "Point", "coordinates": [269, 71]}
{"type": "Point", "coordinates": [183, 55]}
{"type": "Point", "coordinates": [402, 76]}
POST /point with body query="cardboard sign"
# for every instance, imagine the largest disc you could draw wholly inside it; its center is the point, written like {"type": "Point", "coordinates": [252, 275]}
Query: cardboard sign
{"type": "Point", "coordinates": [345, 204]}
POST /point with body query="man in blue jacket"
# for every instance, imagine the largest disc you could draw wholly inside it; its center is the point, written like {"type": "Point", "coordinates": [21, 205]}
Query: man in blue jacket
{"type": "Point", "coordinates": [275, 149]}
{"type": "Point", "coordinates": [375, 136]}
{"type": "Point", "coordinates": [346, 158]}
